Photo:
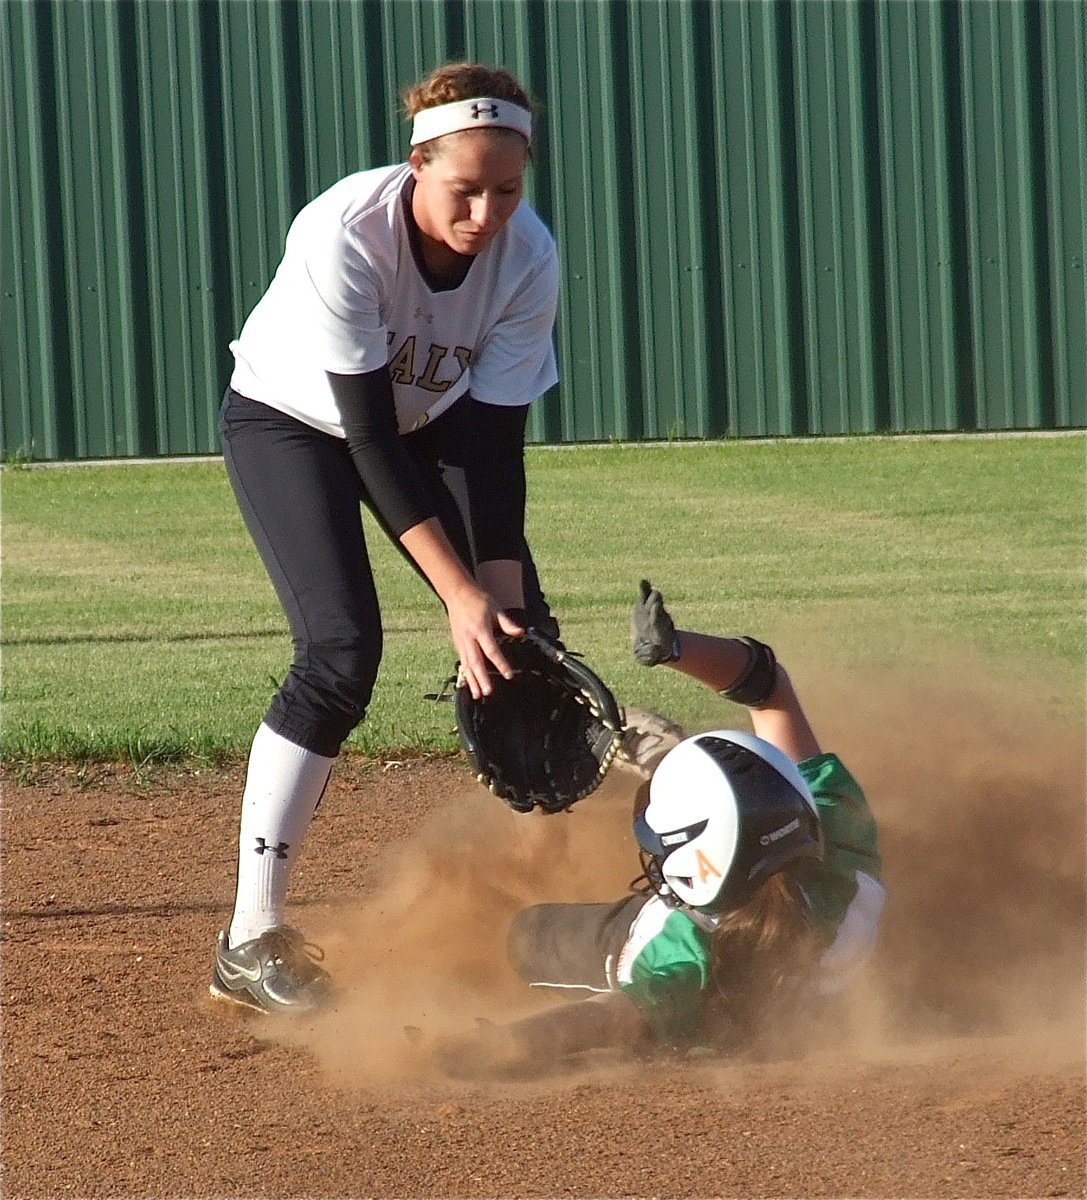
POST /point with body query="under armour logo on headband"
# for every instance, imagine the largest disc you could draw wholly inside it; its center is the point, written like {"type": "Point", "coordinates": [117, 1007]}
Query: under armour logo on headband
{"type": "Point", "coordinates": [492, 111]}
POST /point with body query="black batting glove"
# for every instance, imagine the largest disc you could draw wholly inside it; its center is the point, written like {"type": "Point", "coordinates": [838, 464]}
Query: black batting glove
{"type": "Point", "coordinates": [653, 637]}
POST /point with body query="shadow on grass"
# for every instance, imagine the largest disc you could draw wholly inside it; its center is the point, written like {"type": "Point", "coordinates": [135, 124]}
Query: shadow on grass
{"type": "Point", "coordinates": [88, 639]}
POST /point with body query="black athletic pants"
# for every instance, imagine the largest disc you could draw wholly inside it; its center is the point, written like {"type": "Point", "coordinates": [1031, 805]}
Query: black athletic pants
{"type": "Point", "coordinates": [571, 945]}
{"type": "Point", "coordinates": [300, 495]}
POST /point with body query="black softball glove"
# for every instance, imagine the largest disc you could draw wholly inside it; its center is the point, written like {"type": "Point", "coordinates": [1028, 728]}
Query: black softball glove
{"type": "Point", "coordinates": [545, 738]}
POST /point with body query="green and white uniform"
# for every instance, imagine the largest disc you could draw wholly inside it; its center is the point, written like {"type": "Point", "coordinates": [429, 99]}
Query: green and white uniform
{"type": "Point", "coordinates": [659, 956]}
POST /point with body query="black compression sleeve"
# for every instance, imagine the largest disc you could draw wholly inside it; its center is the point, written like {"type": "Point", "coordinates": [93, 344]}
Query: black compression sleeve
{"type": "Point", "coordinates": [368, 414]}
{"type": "Point", "coordinates": [496, 479]}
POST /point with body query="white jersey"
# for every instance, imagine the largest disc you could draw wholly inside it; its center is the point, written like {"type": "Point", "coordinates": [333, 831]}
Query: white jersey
{"type": "Point", "coordinates": [348, 297]}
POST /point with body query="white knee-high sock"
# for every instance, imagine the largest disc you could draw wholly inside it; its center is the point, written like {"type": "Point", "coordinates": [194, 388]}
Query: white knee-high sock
{"type": "Point", "coordinates": [283, 786]}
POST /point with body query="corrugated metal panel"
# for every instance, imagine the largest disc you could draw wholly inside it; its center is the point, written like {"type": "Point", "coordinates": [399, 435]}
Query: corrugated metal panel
{"type": "Point", "coordinates": [758, 269]}
{"type": "Point", "coordinates": [831, 128]}
{"type": "Point", "coordinates": [917, 211]}
{"type": "Point", "coordinates": [1061, 190]}
{"type": "Point", "coordinates": [28, 289]}
{"type": "Point", "coordinates": [1001, 258]}
{"type": "Point", "coordinates": [773, 218]}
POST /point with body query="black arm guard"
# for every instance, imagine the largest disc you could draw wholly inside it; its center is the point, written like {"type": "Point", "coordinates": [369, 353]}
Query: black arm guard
{"type": "Point", "coordinates": [757, 683]}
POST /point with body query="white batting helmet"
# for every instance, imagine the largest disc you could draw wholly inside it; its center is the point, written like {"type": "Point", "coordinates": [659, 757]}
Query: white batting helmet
{"type": "Point", "coordinates": [726, 809]}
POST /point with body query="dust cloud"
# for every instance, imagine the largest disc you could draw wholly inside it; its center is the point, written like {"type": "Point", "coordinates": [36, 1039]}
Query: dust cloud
{"type": "Point", "coordinates": [427, 951]}
{"type": "Point", "coordinates": [978, 790]}
{"type": "Point", "coordinates": [978, 784]}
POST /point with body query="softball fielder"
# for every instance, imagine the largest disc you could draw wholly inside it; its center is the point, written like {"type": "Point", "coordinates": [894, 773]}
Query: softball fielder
{"type": "Point", "coordinates": [761, 893]}
{"type": "Point", "coordinates": [390, 363]}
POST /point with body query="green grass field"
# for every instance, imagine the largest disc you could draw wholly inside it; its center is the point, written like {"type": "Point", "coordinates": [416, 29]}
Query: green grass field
{"type": "Point", "coordinates": [138, 623]}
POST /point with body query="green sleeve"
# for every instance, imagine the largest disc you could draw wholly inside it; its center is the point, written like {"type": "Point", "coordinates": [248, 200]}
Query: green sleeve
{"type": "Point", "coordinates": [850, 842]}
{"type": "Point", "coordinates": [849, 830]}
{"type": "Point", "coordinates": [668, 977]}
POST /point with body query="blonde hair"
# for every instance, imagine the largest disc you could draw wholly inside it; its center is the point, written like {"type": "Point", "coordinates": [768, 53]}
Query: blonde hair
{"type": "Point", "coordinates": [462, 81]}
{"type": "Point", "coordinates": [763, 957]}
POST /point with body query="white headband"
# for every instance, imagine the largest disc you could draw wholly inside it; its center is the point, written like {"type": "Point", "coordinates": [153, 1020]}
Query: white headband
{"type": "Point", "coordinates": [484, 112]}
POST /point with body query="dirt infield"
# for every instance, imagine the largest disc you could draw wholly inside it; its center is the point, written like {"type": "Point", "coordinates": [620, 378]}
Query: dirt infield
{"type": "Point", "coordinates": [961, 1072]}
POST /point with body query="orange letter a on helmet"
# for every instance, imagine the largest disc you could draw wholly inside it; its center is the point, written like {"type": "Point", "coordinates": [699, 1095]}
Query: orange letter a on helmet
{"type": "Point", "coordinates": [705, 867]}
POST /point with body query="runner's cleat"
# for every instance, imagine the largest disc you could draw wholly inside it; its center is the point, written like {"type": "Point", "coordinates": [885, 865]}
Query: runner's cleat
{"type": "Point", "coordinates": [274, 973]}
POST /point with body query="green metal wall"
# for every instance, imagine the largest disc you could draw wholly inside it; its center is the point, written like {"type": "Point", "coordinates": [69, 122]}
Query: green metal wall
{"type": "Point", "coordinates": [773, 218]}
